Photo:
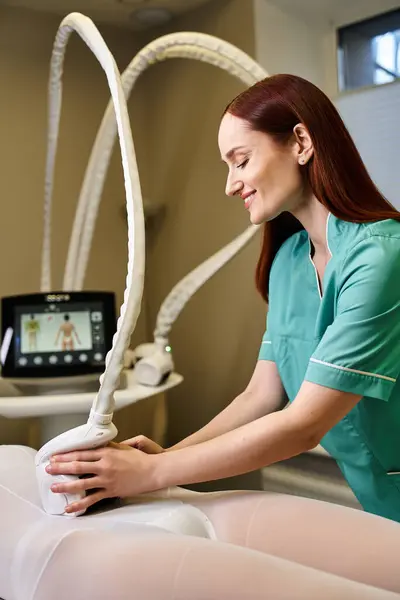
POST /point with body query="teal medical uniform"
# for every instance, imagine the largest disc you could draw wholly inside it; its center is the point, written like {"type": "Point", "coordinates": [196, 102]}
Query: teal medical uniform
{"type": "Point", "coordinates": [346, 337]}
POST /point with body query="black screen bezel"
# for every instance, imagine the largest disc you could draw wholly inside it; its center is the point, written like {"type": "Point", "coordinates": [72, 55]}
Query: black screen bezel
{"type": "Point", "coordinates": [8, 315]}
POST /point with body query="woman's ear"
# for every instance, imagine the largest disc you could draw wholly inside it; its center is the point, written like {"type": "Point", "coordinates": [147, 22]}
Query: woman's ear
{"type": "Point", "coordinates": [304, 147]}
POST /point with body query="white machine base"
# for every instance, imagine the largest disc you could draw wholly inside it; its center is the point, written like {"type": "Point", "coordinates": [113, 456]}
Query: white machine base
{"type": "Point", "coordinates": [59, 412]}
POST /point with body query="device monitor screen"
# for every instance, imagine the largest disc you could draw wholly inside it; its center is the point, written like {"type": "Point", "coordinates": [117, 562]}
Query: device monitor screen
{"type": "Point", "coordinates": [56, 334]}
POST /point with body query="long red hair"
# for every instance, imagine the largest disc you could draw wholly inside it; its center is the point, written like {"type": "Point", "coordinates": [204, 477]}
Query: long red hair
{"type": "Point", "coordinates": [336, 173]}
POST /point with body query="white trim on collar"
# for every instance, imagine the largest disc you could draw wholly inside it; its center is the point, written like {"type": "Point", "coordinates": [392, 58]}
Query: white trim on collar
{"type": "Point", "coordinates": [327, 234]}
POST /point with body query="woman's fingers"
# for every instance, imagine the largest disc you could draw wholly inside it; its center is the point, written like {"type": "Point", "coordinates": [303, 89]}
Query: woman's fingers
{"type": "Point", "coordinates": [78, 455]}
{"type": "Point", "coordinates": [74, 467]}
{"type": "Point", "coordinates": [143, 443]}
{"type": "Point", "coordinates": [77, 486]}
{"type": "Point", "coordinates": [89, 500]}
{"type": "Point", "coordinates": [134, 442]}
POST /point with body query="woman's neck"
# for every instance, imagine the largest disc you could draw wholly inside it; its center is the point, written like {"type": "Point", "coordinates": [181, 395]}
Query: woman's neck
{"type": "Point", "coordinates": [313, 216]}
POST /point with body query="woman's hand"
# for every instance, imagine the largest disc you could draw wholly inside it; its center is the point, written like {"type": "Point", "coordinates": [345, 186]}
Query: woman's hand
{"type": "Point", "coordinates": [143, 443]}
{"type": "Point", "coordinates": [117, 470]}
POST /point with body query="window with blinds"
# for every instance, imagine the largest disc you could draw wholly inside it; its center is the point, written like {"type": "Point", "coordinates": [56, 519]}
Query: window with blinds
{"type": "Point", "coordinates": [369, 99]}
{"type": "Point", "coordinates": [369, 52]}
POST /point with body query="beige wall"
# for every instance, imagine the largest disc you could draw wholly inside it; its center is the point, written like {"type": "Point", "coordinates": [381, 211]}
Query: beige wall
{"type": "Point", "coordinates": [26, 40]}
{"type": "Point", "coordinates": [216, 338]}
{"type": "Point", "coordinates": [305, 42]}
{"type": "Point", "coordinates": [290, 42]}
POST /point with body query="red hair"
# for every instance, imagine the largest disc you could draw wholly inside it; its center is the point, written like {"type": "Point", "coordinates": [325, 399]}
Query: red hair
{"type": "Point", "coordinates": [336, 173]}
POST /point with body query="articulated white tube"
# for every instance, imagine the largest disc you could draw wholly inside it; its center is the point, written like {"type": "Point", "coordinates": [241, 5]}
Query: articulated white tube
{"type": "Point", "coordinates": [188, 286]}
{"type": "Point", "coordinates": [99, 429]}
{"type": "Point", "coordinates": [133, 295]}
{"type": "Point", "coordinates": [195, 46]}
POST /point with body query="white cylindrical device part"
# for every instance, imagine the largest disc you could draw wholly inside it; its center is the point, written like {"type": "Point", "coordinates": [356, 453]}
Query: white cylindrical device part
{"type": "Point", "coordinates": [130, 309]}
{"type": "Point", "coordinates": [153, 369]}
{"type": "Point", "coordinates": [181, 293]}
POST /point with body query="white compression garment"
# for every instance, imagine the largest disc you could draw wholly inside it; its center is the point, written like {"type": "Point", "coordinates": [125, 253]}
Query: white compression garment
{"type": "Point", "coordinates": [160, 547]}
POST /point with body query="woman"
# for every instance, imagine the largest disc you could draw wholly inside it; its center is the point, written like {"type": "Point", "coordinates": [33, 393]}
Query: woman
{"type": "Point", "coordinates": [330, 270]}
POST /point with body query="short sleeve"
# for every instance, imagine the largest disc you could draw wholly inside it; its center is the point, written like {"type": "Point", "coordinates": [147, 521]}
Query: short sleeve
{"type": "Point", "coordinates": [360, 350]}
{"type": "Point", "coordinates": [266, 349]}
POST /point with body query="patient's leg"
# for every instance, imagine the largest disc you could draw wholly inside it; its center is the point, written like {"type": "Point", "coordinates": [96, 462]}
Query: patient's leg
{"type": "Point", "coordinates": [333, 538]}
{"type": "Point", "coordinates": [19, 507]}
{"type": "Point", "coordinates": [118, 564]}
{"type": "Point", "coordinates": [104, 558]}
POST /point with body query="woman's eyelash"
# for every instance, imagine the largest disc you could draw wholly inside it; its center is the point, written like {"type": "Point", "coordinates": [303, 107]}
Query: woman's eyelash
{"type": "Point", "coordinates": [243, 164]}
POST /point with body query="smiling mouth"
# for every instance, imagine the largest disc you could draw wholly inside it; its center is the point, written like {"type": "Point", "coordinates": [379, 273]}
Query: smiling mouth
{"type": "Point", "coordinates": [249, 200]}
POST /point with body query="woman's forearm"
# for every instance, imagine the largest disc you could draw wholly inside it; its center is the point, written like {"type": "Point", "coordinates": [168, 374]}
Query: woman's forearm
{"type": "Point", "coordinates": [260, 443]}
{"type": "Point", "coordinates": [244, 408]}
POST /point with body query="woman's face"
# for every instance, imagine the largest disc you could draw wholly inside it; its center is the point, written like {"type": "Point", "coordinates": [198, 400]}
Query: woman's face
{"type": "Point", "coordinates": [266, 175]}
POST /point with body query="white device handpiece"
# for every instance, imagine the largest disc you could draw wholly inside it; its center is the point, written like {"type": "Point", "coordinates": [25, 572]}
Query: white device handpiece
{"type": "Point", "coordinates": [84, 437]}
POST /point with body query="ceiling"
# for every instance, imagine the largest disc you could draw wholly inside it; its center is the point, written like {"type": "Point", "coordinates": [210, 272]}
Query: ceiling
{"type": "Point", "coordinates": [122, 12]}
{"type": "Point", "coordinates": [116, 12]}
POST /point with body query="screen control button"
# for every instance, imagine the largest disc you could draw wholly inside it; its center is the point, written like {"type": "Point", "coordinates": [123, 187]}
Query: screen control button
{"type": "Point", "coordinates": [96, 317]}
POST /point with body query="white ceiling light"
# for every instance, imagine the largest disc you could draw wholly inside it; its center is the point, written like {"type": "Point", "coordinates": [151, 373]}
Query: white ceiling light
{"type": "Point", "coordinates": [152, 15]}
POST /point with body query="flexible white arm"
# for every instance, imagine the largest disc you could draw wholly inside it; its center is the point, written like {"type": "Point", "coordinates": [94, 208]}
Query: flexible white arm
{"type": "Point", "coordinates": [188, 286]}
{"type": "Point", "coordinates": [130, 309]}
{"type": "Point", "coordinates": [99, 429]}
{"type": "Point", "coordinates": [196, 46]}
